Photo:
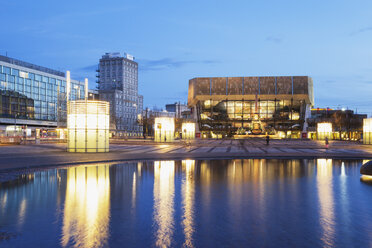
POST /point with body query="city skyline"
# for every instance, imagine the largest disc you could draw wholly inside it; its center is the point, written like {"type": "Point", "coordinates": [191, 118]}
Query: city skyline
{"type": "Point", "coordinates": [174, 42]}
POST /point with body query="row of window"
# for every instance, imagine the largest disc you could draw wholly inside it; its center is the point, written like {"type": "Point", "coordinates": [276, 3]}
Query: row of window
{"type": "Point", "coordinates": [28, 75]}
{"type": "Point", "coordinates": [119, 62]}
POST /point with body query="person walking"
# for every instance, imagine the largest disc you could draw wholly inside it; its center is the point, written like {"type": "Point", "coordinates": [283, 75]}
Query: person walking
{"type": "Point", "coordinates": [326, 142]}
{"type": "Point", "coordinates": [267, 139]}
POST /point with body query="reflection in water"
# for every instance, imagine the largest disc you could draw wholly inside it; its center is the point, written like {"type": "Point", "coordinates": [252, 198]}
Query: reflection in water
{"type": "Point", "coordinates": [210, 203]}
{"type": "Point", "coordinates": [325, 195]}
{"type": "Point", "coordinates": [87, 207]}
{"type": "Point", "coordinates": [164, 202]}
{"type": "Point", "coordinates": [134, 188]}
{"type": "Point", "coordinates": [188, 188]}
{"type": "Point", "coordinates": [22, 212]}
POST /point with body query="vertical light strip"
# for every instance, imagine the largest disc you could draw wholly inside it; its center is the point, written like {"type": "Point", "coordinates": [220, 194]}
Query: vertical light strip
{"type": "Point", "coordinates": [68, 85]}
{"type": "Point", "coordinates": [276, 86]}
{"type": "Point", "coordinates": [86, 89]}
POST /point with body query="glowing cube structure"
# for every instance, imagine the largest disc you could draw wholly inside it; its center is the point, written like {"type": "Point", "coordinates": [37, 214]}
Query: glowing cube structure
{"type": "Point", "coordinates": [367, 131]}
{"type": "Point", "coordinates": [164, 129]}
{"type": "Point", "coordinates": [188, 130]}
{"type": "Point", "coordinates": [88, 124]}
{"type": "Point", "coordinates": [324, 130]}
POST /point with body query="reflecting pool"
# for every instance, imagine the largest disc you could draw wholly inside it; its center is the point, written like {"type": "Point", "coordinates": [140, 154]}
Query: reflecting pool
{"type": "Point", "coordinates": [188, 203]}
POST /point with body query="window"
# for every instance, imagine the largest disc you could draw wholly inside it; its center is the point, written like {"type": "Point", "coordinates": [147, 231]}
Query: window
{"type": "Point", "coordinates": [45, 79]}
{"type": "Point", "coordinates": [3, 85]}
{"type": "Point", "coordinates": [2, 77]}
{"type": "Point", "coordinates": [37, 77]}
{"type": "Point", "coordinates": [6, 70]}
{"type": "Point", "coordinates": [23, 74]}
{"type": "Point", "coordinates": [19, 87]}
{"type": "Point", "coordinates": [11, 79]}
{"type": "Point", "coordinates": [11, 86]}
{"type": "Point", "coordinates": [15, 72]}
{"type": "Point", "coordinates": [20, 80]}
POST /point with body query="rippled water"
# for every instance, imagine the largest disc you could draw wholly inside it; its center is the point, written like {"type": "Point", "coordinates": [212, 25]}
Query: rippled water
{"type": "Point", "coordinates": [252, 202]}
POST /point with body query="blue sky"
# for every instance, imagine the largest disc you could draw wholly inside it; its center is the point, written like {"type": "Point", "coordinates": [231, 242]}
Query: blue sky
{"type": "Point", "coordinates": [174, 41]}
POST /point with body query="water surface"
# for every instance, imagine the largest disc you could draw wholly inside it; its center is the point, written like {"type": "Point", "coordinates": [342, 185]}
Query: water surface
{"type": "Point", "coordinates": [250, 202]}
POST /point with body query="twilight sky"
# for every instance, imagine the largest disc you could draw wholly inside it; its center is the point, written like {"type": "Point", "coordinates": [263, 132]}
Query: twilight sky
{"type": "Point", "coordinates": [176, 40]}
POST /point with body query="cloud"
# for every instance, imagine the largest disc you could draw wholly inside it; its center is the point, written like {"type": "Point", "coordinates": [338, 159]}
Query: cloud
{"type": "Point", "coordinates": [362, 30]}
{"type": "Point", "coordinates": [274, 39]}
{"type": "Point", "coordinates": [89, 68]}
{"type": "Point", "coordinates": [168, 63]}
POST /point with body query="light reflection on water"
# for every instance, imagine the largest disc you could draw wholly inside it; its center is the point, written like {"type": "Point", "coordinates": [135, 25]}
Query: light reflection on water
{"type": "Point", "coordinates": [325, 194]}
{"type": "Point", "coordinates": [87, 207]}
{"type": "Point", "coordinates": [164, 202]}
{"type": "Point", "coordinates": [188, 168]}
{"type": "Point", "coordinates": [242, 202]}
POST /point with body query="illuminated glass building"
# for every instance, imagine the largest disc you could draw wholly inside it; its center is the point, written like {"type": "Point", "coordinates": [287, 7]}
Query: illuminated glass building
{"type": "Point", "coordinates": [33, 95]}
{"type": "Point", "coordinates": [251, 105]}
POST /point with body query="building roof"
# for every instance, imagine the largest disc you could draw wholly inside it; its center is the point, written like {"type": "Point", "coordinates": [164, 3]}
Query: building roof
{"type": "Point", "coordinates": [247, 88]}
{"type": "Point", "coordinates": [31, 66]}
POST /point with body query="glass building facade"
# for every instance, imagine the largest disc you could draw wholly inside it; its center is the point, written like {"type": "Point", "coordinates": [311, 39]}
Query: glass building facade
{"type": "Point", "coordinates": [34, 95]}
{"type": "Point", "coordinates": [251, 105]}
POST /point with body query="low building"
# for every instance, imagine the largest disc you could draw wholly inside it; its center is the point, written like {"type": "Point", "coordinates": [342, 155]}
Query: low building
{"type": "Point", "coordinates": [346, 125]}
{"type": "Point", "coordinates": [226, 106]}
{"type": "Point", "coordinates": [93, 95]}
{"type": "Point", "coordinates": [177, 108]}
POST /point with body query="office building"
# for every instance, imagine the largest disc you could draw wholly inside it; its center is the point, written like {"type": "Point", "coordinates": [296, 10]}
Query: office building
{"type": "Point", "coordinates": [228, 106]}
{"type": "Point", "coordinates": [118, 84]}
{"type": "Point", "coordinates": [177, 108]}
{"type": "Point", "coordinates": [33, 95]}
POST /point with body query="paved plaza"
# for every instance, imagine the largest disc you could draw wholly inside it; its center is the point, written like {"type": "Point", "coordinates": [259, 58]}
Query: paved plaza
{"type": "Point", "coordinates": [49, 155]}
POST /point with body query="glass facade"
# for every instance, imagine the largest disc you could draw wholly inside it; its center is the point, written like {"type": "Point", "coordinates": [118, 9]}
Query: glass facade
{"type": "Point", "coordinates": [30, 94]}
{"type": "Point", "coordinates": [266, 115]}
{"type": "Point", "coordinates": [250, 105]}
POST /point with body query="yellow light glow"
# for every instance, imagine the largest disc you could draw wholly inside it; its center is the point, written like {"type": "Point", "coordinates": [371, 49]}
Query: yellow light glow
{"type": "Point", "coordinates": [281, 134]}
{"type": "Point", "coordinates": [324, 130]}
{"type": "Point", "coordinates": [188, 130]}
{"type": "Point", "coordinates": [164, 202]}
{"type": "Point", "coordinates": [88, 126]}
{"type": "Point", "coordinates": [188, 199]}
{"type": "Point", "coordinates": [367, 131]}
{"type": "Point", "coordinates": [326, 199]}
{"type": "Point", "coordinates": [87, 207]}
{"type": "Point", "coordinates": [164, 129]}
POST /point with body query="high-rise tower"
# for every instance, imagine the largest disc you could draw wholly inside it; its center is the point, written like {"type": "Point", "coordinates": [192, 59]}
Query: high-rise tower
{"type": "Point", "coordinates": [118, 84]}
